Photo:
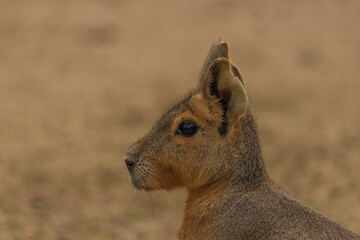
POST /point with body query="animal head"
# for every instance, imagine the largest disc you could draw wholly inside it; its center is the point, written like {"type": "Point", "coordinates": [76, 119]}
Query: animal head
{"type": "Point", "coordinates": [194, 143]}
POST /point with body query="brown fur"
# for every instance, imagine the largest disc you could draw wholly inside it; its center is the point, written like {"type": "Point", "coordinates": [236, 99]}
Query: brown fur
{"type": "Point", "coordinates": [230, 193]}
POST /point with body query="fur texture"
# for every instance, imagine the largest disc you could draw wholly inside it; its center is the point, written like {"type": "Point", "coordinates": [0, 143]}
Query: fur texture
{"type": "Point", "coordinates": [221, 165]}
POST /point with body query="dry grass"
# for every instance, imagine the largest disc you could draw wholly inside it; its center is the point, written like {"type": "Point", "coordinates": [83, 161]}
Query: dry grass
{"type": "Point", "coordinates": [81, 80]}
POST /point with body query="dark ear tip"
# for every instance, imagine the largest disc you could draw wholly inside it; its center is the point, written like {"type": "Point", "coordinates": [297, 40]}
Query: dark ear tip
{"type": "Point", "coordinates": [221, 42]}
{"type": "Point", "coordinates": [222, 48]}
{"type": "Point", "coordinates": [218, 50]}
{"type": "Point", "coordinates": [224, 44]}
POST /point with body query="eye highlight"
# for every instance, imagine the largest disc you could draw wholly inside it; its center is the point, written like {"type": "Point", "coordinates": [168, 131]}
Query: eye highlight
{"type": "Point", "coordinates": [187, 128]}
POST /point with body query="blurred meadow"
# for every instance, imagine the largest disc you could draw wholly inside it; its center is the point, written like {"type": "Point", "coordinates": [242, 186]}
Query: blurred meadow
{"type": "Point", "coordinates": [82, 80]}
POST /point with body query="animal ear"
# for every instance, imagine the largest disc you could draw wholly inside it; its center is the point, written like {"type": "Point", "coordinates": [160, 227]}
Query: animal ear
{"type": "Point", "coordinates": [222, 82]}
{"type": "Point", "coordinates": [218, 50]}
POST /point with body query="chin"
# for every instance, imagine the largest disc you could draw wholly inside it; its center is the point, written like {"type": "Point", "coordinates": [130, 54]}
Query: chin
{"type": "Point", "coordinates": [139, 185]}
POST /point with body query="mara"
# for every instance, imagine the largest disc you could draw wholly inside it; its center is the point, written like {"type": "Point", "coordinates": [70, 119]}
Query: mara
{"type": "Point", "coordinates": [208, 143]}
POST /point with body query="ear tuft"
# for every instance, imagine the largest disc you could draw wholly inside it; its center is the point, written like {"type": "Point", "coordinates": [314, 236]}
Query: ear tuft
{"type": "Point", "coordinates": [219, 50]}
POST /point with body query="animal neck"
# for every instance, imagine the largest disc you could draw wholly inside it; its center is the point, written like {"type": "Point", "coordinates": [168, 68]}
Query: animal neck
{"type": "Point", "coordinates": [248, 169]}
{"type": "Point", "coordinates": [201, 209]}
{"type": "Point", "coordinates": [241, 157]}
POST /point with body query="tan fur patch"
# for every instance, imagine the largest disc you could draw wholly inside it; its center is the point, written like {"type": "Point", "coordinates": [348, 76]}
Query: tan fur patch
{"type": "Point", "coordinates": [205, 109]}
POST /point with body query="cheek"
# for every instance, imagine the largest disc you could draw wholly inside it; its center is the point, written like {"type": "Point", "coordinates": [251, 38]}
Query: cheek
{"type": "Point", "coordinates": [186, 159]}
{"type": "Point", "coordinates": [181, 152]}
{"type": "Point", "coordinates": [194, 149]}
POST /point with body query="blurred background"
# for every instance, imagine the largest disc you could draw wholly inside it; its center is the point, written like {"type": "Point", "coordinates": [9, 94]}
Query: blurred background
{"type": "Point", "coordinates": [82, 80]}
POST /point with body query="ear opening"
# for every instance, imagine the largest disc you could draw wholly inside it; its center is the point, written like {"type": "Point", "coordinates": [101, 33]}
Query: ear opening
{"type": "Point", "coordinates": [214, 74]}
{"type": "Point", "coordinates": [223, 83]}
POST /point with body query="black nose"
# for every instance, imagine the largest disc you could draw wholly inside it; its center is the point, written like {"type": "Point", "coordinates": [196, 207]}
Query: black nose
{"type": "Point", "coordinates": [130, 164]}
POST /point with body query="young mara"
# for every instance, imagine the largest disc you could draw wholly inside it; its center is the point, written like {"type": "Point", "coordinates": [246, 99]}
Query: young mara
{"type": "Point", "coordinates": [208, 143]}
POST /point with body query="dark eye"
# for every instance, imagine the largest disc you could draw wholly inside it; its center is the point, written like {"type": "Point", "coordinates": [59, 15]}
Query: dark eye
{"type": "Point", "coordinates": [187, 128]}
